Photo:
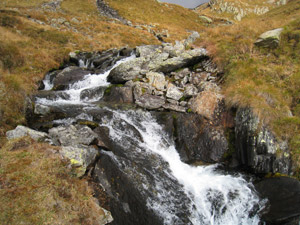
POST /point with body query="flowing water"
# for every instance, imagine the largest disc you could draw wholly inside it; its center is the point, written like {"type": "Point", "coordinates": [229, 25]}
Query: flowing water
{"type": "Point", "coordinates": [214, 197]}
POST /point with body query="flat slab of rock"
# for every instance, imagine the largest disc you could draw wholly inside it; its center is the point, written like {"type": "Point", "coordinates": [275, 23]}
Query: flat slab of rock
{"type": "Point", "coordinates": [22, 131]}
{"type": "Point", "coordinates": [150, 101]}
{"type": "Point", "coordinates": [283, 194]}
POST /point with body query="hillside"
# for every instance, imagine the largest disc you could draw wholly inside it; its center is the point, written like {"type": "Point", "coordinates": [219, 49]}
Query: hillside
{"type": "Point", "coordinates": [36, 36]}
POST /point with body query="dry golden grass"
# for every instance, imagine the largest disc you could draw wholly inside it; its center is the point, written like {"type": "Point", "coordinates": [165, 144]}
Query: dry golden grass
{"type": "Point", "coordinates": [176, 19]}
{"type": "Point", "coordinates": [37, 188]}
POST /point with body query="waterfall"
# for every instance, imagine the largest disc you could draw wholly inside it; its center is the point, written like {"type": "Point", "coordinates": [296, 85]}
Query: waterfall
{"type": "Point", "coordinates": [215, 198]}
{"type": "Point", "coordinates": [207, 194]}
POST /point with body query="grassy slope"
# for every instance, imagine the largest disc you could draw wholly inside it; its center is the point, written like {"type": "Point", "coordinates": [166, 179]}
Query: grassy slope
{"type": "Point", "coordinates": [37, 188]}
{"type": "Point", "coordinates": [266, 80]}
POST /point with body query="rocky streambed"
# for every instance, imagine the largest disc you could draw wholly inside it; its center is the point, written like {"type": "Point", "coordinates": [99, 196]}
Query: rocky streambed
{"type": "Point", "coordinates": [150, 126]}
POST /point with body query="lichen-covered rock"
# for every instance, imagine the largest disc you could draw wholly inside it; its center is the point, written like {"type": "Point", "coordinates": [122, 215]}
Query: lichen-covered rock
{"type": "Point", "coordinates": [173, 107]}
{"type": "Point", "coordinates": [22, 131]}
{"type": "Point", "coordinates": [147, 51]}
{"type": "Point", "coordinates": [258, 148]}
{"type": "Point", "coordinates": [269, 39]}
{"type": "Point", "coordinates": [41, 109]}
{"type": "Point", "coordinates": [81, 158]}
{"type": "Point", "coordinates": [150, 101]}
{"type": "Point", "coordinates": [184, 59]}
{"type": "Point", "coordinates": [173, 92]}
{"type": "Point", "coordinates": [126, 71]}
{"type": "Point", "coordinates": [72, 135]}
{"type": "Point", "coordinates": [157, 80]}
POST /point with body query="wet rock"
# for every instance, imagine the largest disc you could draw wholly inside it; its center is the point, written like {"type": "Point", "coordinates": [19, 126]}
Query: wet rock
{"type": "Point", "coordinates": [52, 95]}
{"type": "Point", "coordinates": [72, 135]}
{"type": "Point", "coordinates": [269, 39]}
{"type": "Point", "coordinates": [130, 176]}
{"type": "Point", "coordinates": [150, 101]}
{"type": "Point", "coordinates": [283, 194]}
{"type": "Point", "coordinates": [197, 140]}
{"type": "Point", "coordinates": [205, 104]}
{"type": "Point", "coordinates": [95, 93]}
{"type": "Point", "coordinates": [81, 158]}
{"type": "Point", "coordinates": [257, 148]}
{"type": "Point", "coordinates": [157, 80]}
{"type": "Point", "coordinates": [68, 76]}
{"type": "Point", "coordinates": [173, 92]}
{"type": "Point", "coordinates": [21, 131]}
{"type": "Point", "coordinates": [119, 95]}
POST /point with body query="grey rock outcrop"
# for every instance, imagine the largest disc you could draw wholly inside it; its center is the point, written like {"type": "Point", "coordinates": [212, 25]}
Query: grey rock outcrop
{"type": "Point", "coordinates": [257, 147]}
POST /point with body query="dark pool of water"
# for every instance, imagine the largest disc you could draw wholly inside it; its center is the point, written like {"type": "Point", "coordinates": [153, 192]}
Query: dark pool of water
{"type": "Point", "coordinates": [187, 3]}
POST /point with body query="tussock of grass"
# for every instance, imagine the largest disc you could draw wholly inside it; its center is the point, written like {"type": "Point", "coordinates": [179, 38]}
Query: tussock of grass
{"type": "Point", "coordinates": [37, 188]}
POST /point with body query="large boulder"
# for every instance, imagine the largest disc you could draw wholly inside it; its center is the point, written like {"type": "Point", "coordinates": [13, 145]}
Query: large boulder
{"type": "Point", "coordinates": [185, 59]}
{"type": "Point", "coordinates": [269, 39]}
{"type": "Point", "coordinates": [94, 93]}
{"type": "Point", "coordinates": [257, 147]}
{"type": "Point", "coordinates": [283, 194]}
{"type": "Point", "coordinates": [119, 95]}
{"type": "Point", "coordinates": [126, 71]}
{"type": "Point", "coordinates": [21, 131]}
{"type": "Point", "coordinates": [68, 76]}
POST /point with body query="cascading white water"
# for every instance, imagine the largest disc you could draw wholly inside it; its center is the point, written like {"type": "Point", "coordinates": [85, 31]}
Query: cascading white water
{"type": "Point", "coordinates": [74, 90]}
{"type": "Point", "coordinates": [217, 199]}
